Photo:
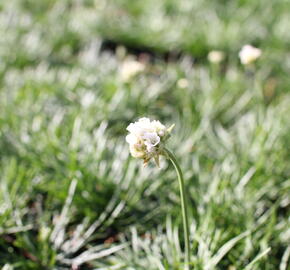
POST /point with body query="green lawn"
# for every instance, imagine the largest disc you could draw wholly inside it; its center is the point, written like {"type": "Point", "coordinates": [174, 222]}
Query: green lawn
{"type": "Point", "coordinates": [70, 194]}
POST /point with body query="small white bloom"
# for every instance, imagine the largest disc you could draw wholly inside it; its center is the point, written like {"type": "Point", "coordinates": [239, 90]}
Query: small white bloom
{"type": "Point", "coordinates": [7, 266]}
{"type": "Point", "coordinates": [249, 54]}
{"type": "Point", "coordinates": [146, 137]}
{"type": "Point", "coordinates": [130, 68]}
{"type": "Point", "coordinates": [215, 56]}
{"type": "Point", "coordinates": [182, 83]}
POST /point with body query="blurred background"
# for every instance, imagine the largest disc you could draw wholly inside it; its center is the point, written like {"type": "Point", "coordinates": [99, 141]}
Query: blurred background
{"type": "Point", "coordinates": [75, 73]}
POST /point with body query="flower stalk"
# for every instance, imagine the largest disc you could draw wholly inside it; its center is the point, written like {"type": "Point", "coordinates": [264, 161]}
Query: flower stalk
{"type": "Point", "coordinates": [146, 141]}
{"type": "Point", "coordinates": [174, 162]}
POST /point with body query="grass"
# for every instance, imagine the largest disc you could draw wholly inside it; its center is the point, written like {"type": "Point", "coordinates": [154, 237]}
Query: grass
{"type": "Point", "coordinates": [71, 196]}
{"type": "Point", "coordinates": [197, 27]}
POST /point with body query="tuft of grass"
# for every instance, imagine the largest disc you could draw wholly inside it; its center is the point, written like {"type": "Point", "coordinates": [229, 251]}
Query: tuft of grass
{"type": "Point", "coordinates": [196, 27]}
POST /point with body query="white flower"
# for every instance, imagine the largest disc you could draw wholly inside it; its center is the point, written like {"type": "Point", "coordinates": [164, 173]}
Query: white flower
{"type": "Point", "coordinates": [249, 54]}
{"type": "Point", "coordinates": [146, 137]}
{"type": "Point", "coordinates": [7, 266]}
{"type": "Point", "coordinates": [130, 68]}
{"type": "Point", "coordinates": [182, 83]}
{"type": "Point", "coordinates": [215, 56]}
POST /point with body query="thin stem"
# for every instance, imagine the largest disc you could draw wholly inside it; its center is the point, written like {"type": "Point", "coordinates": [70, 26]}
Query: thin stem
{"type": "Point", "coordinates": [173, 160]}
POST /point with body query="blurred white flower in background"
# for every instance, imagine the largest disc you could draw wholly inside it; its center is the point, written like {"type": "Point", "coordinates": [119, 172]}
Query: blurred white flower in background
{"type": "Point", "coordinates": [249, 54]}
{"type": "Point", "coordinates": [182, 83]}
{"type": "Point", "coordinates": [7, 266]}
{"type": "Point", "coordinates": [215, 56]}
{"type": "Point", "coordinates": [145, 138]}
{"type": "Point", "coordinates": [130, 68]}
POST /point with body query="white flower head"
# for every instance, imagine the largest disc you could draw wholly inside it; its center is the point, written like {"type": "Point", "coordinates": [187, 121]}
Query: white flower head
{"type": "Point", "coordinates": [130, 68]}
{"type": "Point", "coordinates": [182, 83]}
{"type": "Point", "coordinates": [215, 56]}
{"type": "Point", "coordinates": [146, 138]}
{"type": "Point", "coordinates": [249, 54]}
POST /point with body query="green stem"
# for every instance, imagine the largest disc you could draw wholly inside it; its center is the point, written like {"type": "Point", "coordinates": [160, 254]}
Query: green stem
{"type": "Point", "coordinates": [173, 160]}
